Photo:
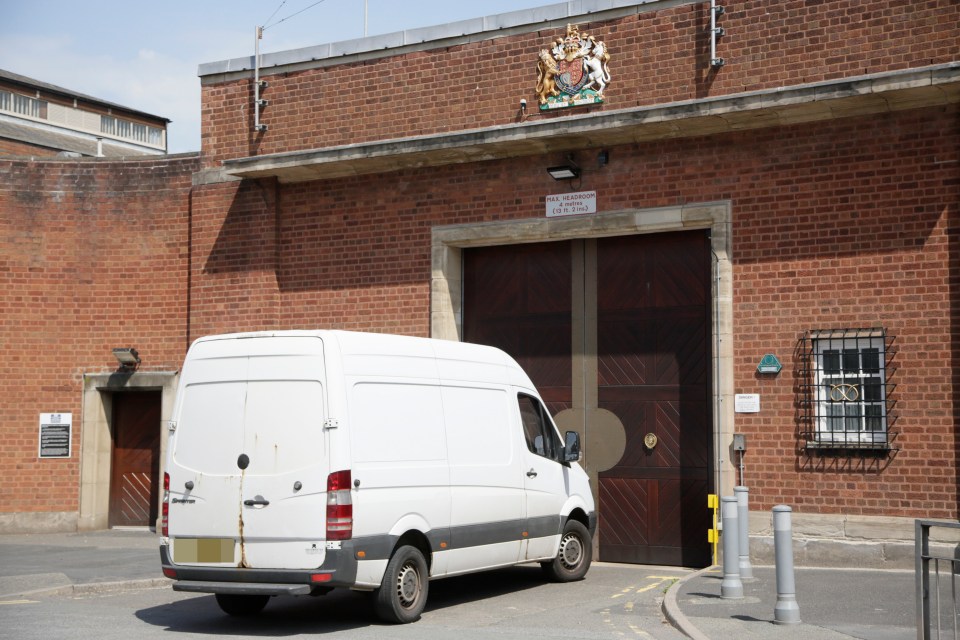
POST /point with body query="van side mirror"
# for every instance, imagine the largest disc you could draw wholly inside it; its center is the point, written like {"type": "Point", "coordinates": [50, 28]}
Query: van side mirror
{"type": "Point", "coordinates": [571, 447]}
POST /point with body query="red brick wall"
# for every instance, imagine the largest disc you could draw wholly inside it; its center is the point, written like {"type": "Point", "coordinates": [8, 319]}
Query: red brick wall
{"type": "Point", "coordinates": [15, 148]}
{"type": "Point", "coordinates": [849, 223]}
{"type": "Point", "coordinates": [97, 254]}
{"type": "Point", "coordinates": [657, 57]}
{"type": "Point", "coordinates": [234, 258]}
{"type": "Point", "coordinates": [93, 255]}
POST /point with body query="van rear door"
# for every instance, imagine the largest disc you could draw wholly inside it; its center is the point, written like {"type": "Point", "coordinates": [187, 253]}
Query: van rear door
{"type": "Point", "coordinates": [250, 442]}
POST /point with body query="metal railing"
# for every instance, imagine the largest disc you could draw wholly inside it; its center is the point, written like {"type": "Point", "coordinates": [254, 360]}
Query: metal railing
{"type": "Point", "coordinates": [932, 612]}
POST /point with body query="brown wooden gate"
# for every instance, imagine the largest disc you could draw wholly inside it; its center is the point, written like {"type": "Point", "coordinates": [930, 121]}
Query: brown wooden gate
{"type": "Point", "coordinates": [651, 369]}
{"type": "Point", "coordinates": [135, 465]}
{"type": "Point", "coordinates": [518, 298]}
{"type": "Point", "coordinates": [653, 344]}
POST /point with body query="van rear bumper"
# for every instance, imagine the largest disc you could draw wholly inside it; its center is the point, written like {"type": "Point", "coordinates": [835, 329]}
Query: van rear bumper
{"type": "Point", "coordinates": [244, 588]}
{"type": "Point", "coordinates": [338, 570]}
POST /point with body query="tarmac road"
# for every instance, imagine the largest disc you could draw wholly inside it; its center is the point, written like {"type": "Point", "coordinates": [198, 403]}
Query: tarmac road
{"type": "Point", "coordinates": [107, 585]}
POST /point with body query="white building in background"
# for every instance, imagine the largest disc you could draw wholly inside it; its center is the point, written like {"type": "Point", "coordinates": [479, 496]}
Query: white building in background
{"type": "Point", "coordinates": [37, 118]}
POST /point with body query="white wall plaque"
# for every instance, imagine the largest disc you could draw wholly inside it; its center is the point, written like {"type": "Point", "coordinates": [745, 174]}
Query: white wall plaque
{"type": "Point", "coordinates": [55, 435]}
{"type": "Point", "coordinates": [571, 204]}
{"type": "Point", "coordinates": [746, 403]}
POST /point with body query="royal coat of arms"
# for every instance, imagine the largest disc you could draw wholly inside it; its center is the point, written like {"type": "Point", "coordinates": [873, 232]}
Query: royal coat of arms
{"type": "Point", "coordinates": [573, 71]}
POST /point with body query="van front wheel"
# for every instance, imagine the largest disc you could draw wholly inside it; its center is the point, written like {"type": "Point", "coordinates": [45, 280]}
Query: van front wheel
{"type": "Point", "coordinates": [403, 591]}
{"type": "Point", "coordinates": [573, 558]}
{"type": "Point", "coordinates": [241, 605]}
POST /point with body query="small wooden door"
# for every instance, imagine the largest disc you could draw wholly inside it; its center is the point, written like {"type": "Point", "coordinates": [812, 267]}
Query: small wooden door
{"type": "Point", "coordinates": [135, 469]}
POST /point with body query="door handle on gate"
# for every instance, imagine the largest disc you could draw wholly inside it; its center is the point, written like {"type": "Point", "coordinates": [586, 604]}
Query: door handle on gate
{"type": "Point", "coordinates": [532, 473]}
{"type": "Point", "coordinates": [258, 502]}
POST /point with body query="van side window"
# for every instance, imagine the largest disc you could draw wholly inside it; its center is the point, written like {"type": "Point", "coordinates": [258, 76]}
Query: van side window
{"type": "Point", "coordinates": [541, 437]}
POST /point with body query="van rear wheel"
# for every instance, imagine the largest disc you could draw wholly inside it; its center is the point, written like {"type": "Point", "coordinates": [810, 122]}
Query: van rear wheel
{"type": "Point", "coordinates": [573, 558]}
{"type": "Point", "coordinates": [403, 591]}
{"type": "Point", "coordinates": [242, 605]}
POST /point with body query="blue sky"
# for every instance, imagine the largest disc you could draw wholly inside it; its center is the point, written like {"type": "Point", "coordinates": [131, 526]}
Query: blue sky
{"type": "Point", "coordinates": [145, 55]}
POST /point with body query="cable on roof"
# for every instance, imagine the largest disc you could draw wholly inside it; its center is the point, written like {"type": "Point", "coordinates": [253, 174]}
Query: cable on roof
{"type": "Point", "coordinates": [275, 12]}
{"type": "Point", "coordinates": [293, 14]}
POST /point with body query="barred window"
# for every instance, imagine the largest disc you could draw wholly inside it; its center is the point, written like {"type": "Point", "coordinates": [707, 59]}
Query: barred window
{"type": "Point", "coordinates": [846, 383]}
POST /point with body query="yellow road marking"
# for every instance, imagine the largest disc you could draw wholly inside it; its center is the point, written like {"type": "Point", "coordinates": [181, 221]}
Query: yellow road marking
{"type": "Point", "coordinates": [18, 602]}
{"type": "Point", "coordinates": [656, 584]}
{"type": "Point", "coordinates": [638, 631]}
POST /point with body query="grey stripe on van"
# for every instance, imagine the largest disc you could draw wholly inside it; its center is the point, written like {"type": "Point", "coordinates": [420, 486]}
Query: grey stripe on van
{"type": "Point", "coordinates": [462, 537]}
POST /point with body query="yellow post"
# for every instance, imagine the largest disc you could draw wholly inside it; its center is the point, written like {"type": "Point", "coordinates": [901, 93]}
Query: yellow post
{"type": "Point", "coordinates": [713, 536]}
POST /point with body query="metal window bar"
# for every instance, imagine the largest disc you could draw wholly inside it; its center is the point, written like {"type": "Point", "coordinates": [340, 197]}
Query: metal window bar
{"type": "Point", "coordinates": [924, 594]}
{"type": "Point", "coordinates": [845, 393]}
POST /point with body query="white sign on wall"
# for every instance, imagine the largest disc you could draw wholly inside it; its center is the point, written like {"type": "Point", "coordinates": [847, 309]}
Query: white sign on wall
{"type": "Point", "coordinates": [571, 204]}
{"type": "Point", "coordinates": [746, 403]}
{"type": "Point", "coordinates": [55, 435]}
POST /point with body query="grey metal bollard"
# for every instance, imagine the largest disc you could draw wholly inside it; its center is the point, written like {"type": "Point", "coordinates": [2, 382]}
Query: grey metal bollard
{"type": "Point", "coordinates": [743, 516]}
{"type": "Point", "coordinates": [786, 611]}
{"type": "Point", "coordinates": [731, 588]}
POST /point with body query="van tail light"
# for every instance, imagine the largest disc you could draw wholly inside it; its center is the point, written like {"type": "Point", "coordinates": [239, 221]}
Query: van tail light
{"type": "Point", "coordinates": [165, 512]}
{"type": "Point", "coordinates": [339, 506]}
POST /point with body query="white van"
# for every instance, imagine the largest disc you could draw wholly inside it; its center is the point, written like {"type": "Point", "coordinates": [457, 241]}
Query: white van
{"type": "Point", "coordinates": [300, 461]}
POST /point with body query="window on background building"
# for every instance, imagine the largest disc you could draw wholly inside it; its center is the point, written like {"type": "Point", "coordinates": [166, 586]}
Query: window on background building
{"type": "Point", "coordinates": [124, 128]}
{"type": "Point", "coordinates": [131, 130]}
{"type": "Point", "coordinates": [847, 390]}
{"type": "Point", "coordinates": [155, 136]}
{"type": "Point", "coordinates": [108, 124]}
{"type": "Point", "coordinates": [24, 105]}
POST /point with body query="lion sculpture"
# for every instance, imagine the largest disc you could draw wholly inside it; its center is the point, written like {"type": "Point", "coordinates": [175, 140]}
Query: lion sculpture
{"type": "Point", "coordinates": [546, 72]}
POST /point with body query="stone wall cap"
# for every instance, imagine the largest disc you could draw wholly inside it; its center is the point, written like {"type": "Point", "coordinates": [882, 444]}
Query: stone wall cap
{"type": "Point", "coordinates": [430, 37]}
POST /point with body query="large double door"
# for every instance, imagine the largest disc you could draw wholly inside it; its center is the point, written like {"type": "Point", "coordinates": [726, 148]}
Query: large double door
{"type": "Point", "coordinates": [619, 325]}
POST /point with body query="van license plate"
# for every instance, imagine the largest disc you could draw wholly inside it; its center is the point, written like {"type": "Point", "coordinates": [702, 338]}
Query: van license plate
{"type": "Point", "coordinates": [187, 550]}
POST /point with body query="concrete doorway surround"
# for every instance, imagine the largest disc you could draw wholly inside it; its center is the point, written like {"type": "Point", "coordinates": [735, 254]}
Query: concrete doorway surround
{"type": "Point", "coordinates": [96, 442]}
{"type": "Point", "coordinates": [446, 301]}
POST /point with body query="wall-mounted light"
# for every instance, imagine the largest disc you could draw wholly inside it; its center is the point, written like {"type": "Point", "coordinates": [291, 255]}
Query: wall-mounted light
{"type": "Point", "coordinates": [567, 171]}
{"type": "Point", "coordinates": [126, 356]}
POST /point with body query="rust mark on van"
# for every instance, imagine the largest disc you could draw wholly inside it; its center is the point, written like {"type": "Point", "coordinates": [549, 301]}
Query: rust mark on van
{"type": "Point", "coordinates": [243, 546]}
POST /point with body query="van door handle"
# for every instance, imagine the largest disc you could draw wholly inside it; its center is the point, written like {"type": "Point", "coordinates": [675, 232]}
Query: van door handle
{"type": "Point", "coordinates": [254, 503]}
{"type": "Point", "coordinates": [532, 473]}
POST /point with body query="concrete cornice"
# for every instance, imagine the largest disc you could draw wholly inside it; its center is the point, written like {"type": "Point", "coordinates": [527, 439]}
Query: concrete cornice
{"type": "Point", "coordinates": [859, 96]}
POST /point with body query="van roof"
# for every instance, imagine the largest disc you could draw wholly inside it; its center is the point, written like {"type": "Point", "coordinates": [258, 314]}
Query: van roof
{"type": "Point", "coordinates": [453, 357]}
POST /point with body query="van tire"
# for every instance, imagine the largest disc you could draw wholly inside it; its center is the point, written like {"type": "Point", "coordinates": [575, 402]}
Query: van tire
{"type": "Point", "coordinates": [403, 591]}
{"type": "Point", "coordinates": [573, 557]}
{"type": "Point", "coordinates": [241, 605]}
